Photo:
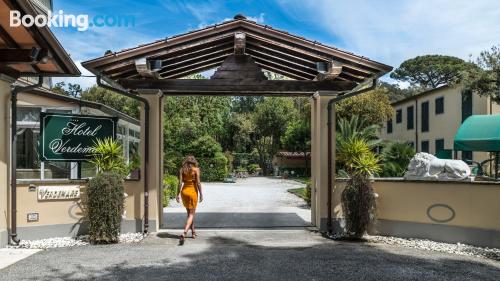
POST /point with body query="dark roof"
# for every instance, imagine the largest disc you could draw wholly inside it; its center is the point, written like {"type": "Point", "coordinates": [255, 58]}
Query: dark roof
{"type": "Point", "coordinates": [104, 108]}
{"type": "Point", "coordinates": [271, 49]}
{"type": "Point", "coordinates": [420, 95]}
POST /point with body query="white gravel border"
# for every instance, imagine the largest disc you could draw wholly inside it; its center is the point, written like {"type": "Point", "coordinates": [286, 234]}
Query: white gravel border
{"type": "Point", "coordinates": [428, 245]}
{"type": "Point", "coordinates": [59, 242]}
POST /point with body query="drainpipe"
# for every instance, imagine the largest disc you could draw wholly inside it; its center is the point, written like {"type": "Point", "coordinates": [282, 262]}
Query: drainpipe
{"type": "Point", "coordinates": [331, 173]}
{"type": "Point", "coordinates": [146, 141]}
{"type": "Point", "coordinates": [13, 160]}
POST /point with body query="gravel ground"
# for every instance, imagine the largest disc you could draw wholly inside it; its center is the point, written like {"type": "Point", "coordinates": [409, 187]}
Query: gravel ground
{"type": "Point", "coordinates": [59, 242]}
{"type": "Point", "coordinates": [249, 255]}
{"type": "Point", "coordinates": [254, 202]}
{"type": "Point", "coordinates": [257, 192]}
{"type": "Point", "coordinates": [423, 244]}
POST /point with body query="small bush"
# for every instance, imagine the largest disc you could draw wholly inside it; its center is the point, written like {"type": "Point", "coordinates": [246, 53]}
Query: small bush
{"type": "Point", "coordinates": [308, 193]}
{"type": "Point", "coordinates": [170, 187]}
{"type": "Point", "coordinates": [213, 168]}
{"type": "Point", "coordinates": [103, 205]}
{"type": "Point", "coordinates": [252, 168]}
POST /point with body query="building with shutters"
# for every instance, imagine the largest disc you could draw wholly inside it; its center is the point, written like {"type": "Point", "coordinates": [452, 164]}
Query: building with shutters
{"type": "Point", "coordinates": [429, 120]}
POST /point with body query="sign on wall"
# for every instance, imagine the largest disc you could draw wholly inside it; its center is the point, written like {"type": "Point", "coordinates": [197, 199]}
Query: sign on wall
{"type": "Point", "coordinates": [58, 192]}
{"type": "Point", "coordinates": [66, 137]}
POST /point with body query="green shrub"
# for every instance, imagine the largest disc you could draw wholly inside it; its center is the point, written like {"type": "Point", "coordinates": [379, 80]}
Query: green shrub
{"type": "Point", "coordinates": [170, 187]}
{"type": "Point", "coordinates": [103, 206]}
{"type": "Point", "coordinates": [308, 193]}
{"type": "Point", "coordinates": [204, 147]}
{"type": "Point", "coordinates": [108, 157]}
{"type": "Point", "coordinates": [252, 168]}
{"type": "Point", "coordinates": [358, 198]}
{"type": "Point", "coordinates": [213, 168]}
{"type": "Point", "coordinates": [396, 156]}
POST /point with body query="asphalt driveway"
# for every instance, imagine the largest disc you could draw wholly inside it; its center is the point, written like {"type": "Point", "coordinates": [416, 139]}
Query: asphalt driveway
{"type": "Point", "coordinates": [254, 202]}
{"type": "Point", "coordinates": [248, 255]}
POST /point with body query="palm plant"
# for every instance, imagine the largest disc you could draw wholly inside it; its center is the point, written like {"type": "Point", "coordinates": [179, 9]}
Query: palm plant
{"type": "Point", "coordinates": [108, 157]}
{"type": "Point", "coordinates": [357, 128]}
{"type": "Point", "coordinates": [396, 156]}
{"type": "Point", "coordinates": [358, 198]}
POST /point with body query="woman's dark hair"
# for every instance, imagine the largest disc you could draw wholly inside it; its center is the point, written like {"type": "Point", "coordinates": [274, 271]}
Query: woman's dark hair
{"type": "Point", "coordinates": [188, 163]}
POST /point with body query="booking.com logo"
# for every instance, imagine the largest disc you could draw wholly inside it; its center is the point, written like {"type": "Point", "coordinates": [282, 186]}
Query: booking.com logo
{"type": "Point", "coordinates": [80, 22]}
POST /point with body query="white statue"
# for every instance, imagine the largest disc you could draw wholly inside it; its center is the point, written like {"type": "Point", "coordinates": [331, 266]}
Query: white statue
{"type": "Point", "coordinates": [424, 166]}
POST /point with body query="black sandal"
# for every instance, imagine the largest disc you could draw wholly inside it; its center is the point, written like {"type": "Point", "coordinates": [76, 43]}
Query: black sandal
{"type": "Point", "coordinates": [193, 234]}
{"type": "Point", "coordinates": [182, 239]}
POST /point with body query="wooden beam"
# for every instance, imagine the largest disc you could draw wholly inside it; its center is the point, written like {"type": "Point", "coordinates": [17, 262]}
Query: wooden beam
{"type": "Point", "coordinates": [169, 52]}
{"type": "Point", "coordinates": [194, 70]}
{"type": "Point", "coordinates": [296, 72]}
{"type": "Point", "coordinates": [236, 87]}
{"type": "Point", "coordinates": [11, 43]}
{"type": "Point", "coordinates": [239, 67]}
{"type": "Point", "coordinates": [239, 43]}
{"type": "Point", "coordinates": [286, 64]}
{"type": "Point", "coordinates": [32, 56]}
{"type": "Point", "coordinates": [190, 67]}
{"type": "Point", "coordinates": [281, 71]}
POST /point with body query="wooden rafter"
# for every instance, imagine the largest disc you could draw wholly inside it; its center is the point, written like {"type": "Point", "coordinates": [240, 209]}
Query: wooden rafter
{"type": "Point", "coordinates": [232, 86]}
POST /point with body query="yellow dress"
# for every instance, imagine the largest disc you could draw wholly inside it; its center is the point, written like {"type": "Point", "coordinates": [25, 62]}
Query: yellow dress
{"type": "Point", "coordinates": [189, 193]}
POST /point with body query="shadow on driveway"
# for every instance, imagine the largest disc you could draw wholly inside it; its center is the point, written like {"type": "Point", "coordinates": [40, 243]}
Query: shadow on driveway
{"type": "Point", "coordinates": [236, 220]}
{"type": "Point", "coordinates": [223, 258]}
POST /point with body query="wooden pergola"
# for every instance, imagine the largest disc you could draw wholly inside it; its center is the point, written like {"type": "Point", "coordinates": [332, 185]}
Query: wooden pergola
{"type": "Point", "coordinates": [239, 49]}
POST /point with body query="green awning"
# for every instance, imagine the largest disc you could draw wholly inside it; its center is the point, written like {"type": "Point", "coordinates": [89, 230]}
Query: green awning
{"type": "Point", "coordinates": [479, 133]}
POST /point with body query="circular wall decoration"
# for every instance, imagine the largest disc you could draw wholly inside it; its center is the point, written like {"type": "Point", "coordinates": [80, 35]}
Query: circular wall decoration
{"type": "Point", "coordinates": [435, 207]}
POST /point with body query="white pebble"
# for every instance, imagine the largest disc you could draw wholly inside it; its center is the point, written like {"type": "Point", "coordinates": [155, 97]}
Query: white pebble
{"type": "Point", "coordinates": [58, 242]}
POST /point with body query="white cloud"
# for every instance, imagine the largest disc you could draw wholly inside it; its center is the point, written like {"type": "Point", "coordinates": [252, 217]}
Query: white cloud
{"type": "Point", "coordinates": [392, 31]}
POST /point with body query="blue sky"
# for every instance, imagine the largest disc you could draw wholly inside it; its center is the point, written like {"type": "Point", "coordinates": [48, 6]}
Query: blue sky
{"type": "Point", "coordinates": [388, 31]}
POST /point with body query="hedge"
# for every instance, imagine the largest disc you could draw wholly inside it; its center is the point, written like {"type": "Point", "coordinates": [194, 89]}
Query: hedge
{"type": "Point", "coordinates": [214, 168]}
{"type": "Point", "coordinates": [170, 187]}
{"type": "Point", "coordinates": [103, 205]}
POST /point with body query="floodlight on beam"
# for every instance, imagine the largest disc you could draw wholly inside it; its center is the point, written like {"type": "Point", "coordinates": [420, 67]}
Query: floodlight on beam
{"type": "Point", "coordinates": [148, 68]}
{"type": "Point", "coordinates": [328, 70]}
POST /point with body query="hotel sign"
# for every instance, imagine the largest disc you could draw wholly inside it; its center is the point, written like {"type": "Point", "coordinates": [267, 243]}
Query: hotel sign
{"type": "Point", "coordinates": [65, 137]}
{"type": "Point", "coordinates": [58, 192]}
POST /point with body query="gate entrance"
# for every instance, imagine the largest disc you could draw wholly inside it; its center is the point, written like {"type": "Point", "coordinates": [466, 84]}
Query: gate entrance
{"type": "Point", "coordinates": [240, 49]}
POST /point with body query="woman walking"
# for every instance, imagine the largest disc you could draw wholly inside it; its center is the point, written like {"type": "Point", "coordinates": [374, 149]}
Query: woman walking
{"type": "Point", "coordinates": [189, 190]}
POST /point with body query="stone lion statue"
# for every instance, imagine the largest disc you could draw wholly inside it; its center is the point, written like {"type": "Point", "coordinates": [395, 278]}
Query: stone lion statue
{"type": "Point", "coordinates": [425, 166]}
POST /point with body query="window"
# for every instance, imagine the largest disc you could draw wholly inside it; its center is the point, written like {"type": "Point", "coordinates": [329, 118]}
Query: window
{"type": "Point", "coordinates": [129, 136]}
{"type": "Point", "coordinates": [439, 105]}
{"type": "Point", "coordinates": [466, 104]}
{"type": "Point", "coordinates": [399, 116]}
{"type": "Point", "coordinates": [389, 126]}
{"type": "Point", "coordinates": [466, 155]}
{"type": "Point", "coordinates": [412, 144]}
{"type": "Point", "coordinates": [425, 117]}
{"type": "Point", "coordinates": [409, 118]}
{"type": "Point", "coordinates": [439, 145]}
{"type": "Point", "coordinates": [28, 164]}
{"type": "Point", "coordinates": [425, 146]}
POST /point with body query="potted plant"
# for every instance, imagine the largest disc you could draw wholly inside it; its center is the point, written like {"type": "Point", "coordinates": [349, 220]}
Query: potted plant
{"type": "Point", "coordinates": [358, 197]}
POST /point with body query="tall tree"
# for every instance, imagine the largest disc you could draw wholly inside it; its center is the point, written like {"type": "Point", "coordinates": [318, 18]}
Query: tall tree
{"type": "Point", "coordinates": [485, 78]}
{"type": "Point", "coordinates": [374, 106]}
{"type": "Point", "coordinates": [431, 71]}
{"type": "Point", "coordinates": [395, 92]}
{"type": "Point", "coordinates": [297, 137]}
{"type": "Point", "coordinates": [119, 102]}
{"type": "Point", "coordinates": [271, 118]}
